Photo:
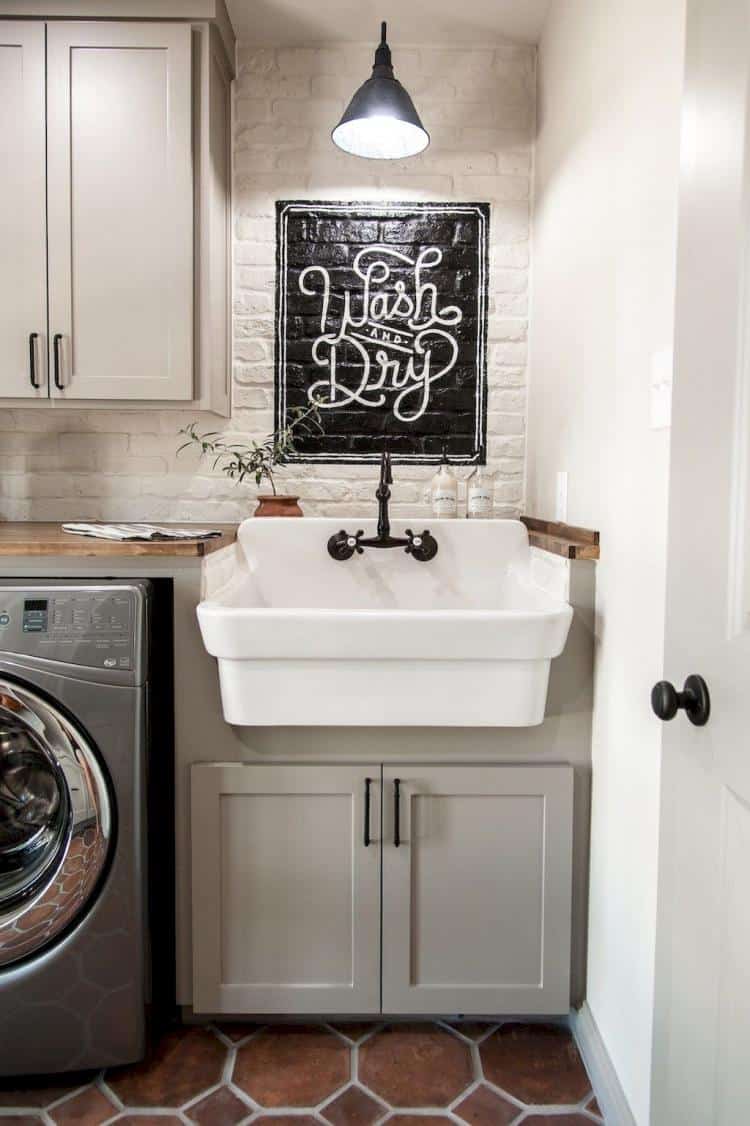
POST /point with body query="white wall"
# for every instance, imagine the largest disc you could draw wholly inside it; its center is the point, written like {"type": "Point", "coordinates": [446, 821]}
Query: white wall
{"type": "Point", "coordinates": [478, 105]}
{"type": "Point", "coordinates": [602, 306]}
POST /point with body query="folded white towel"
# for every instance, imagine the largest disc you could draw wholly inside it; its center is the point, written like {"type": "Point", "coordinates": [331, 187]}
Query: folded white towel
{"type": "Point", "coordinates": [139, 532]}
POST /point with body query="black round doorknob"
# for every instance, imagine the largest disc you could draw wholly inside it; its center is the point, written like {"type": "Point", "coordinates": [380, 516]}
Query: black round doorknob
{"type": "Point", "coordinates": [694, 699]}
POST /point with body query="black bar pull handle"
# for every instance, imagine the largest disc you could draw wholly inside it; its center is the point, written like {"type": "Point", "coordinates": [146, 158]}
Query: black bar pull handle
{"type": "Point", "coordinates": [396, 812]}
{"type": "Point", "coordinates": [368, 782]}
{"type": "Point", "coordinates": [33, 337]}
{"type": "Point", "coordinates": [56, 354]}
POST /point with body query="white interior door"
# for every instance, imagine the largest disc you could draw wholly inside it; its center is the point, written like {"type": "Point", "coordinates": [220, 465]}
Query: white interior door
{"type": "Point", "coordinates": [286, 889]}
{"type": "Point", "coordinates": [23, 231]}
{"type": "Point", "coordinates": [119, 150]}
{"type": "Point", "coordinates": [476, 889]}
{"type": "Point", "coordinates": [702, 1010]}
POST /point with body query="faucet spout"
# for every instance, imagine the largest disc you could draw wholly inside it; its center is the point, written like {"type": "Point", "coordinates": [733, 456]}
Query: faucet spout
{"type": "Point", "coordinates": [386, 473]}
{"type": "Point", "coordinates": [383, 495]}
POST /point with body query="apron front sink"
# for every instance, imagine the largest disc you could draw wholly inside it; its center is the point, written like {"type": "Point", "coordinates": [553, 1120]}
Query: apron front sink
{"type": "Point", "coordinates": [380, 639]}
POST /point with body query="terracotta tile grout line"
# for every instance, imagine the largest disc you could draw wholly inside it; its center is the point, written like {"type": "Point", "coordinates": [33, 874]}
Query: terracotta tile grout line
{"type": "Point", "coordinates": [107, 1091]}
{"type": "Point", "coordinates": [227, 1040]}
{"type": "Point", "coordinates": [43, 1112]}
{"type": "Point", "coordinates": [229, 1062]}
{"type": "Point", "coordinates": [71, 1094]}
{"type": "Point", "coordinates": [204, 1094]}
{"type": "Point", "coordinates": [243, 1096]}
{"type": "Point", "coordinates": [485, 1082]}
{"type": "Point", "coordinates": [462, 1035]}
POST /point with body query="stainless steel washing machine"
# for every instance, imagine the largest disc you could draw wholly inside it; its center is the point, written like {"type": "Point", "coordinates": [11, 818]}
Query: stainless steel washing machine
{"type": "Point", "coordinates": [73, 814]}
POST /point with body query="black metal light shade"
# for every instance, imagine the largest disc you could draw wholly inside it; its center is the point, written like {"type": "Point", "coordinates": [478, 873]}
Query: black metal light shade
{"type": "Point", "coordinates": [380, 121]}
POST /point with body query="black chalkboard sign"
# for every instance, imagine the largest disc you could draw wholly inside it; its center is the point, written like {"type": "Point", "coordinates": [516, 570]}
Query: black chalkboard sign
{"type": "Point", "coordinates": [381, 318]}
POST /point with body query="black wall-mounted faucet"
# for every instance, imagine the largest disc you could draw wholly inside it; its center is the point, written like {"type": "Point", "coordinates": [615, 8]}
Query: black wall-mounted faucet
{"type": "Point", "coordinates": [422, 547]}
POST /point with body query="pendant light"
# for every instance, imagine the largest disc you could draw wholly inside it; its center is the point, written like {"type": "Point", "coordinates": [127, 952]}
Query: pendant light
{"type": "Point", "coordinates": [380, 121]}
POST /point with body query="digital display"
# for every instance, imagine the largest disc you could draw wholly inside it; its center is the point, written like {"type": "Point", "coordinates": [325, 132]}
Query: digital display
{"type": "Point", "coordinates": [35, 604]}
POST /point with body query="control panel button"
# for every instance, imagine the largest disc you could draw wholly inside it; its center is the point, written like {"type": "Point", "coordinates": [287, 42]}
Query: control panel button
{"type": "Point", "coordinates": [4, 619]}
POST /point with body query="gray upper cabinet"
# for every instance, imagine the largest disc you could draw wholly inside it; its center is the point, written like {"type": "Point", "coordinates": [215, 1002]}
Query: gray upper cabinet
{"type": "Point", "coordinates": [135, 303]}
{"type": "Point", "coordinates": [120, 210]}
{"type": "Point", "coordinates": [23, 232]}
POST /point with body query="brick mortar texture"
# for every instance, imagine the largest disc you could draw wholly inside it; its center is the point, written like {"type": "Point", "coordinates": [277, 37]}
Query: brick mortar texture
{"type": "Point", "coordinates": [478, 105]}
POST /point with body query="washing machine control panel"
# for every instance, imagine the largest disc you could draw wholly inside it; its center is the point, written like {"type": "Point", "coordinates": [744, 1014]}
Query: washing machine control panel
{"type": "Point", "coordinates": [93, 627]}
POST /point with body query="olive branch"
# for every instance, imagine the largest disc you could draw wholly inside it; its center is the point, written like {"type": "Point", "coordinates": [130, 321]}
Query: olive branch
{"type": "Point", "coordinates": [257, 460]}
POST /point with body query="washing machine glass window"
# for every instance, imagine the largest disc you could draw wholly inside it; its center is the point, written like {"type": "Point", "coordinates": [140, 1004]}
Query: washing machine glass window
{"type": "Point", "coordinates": [56, 823]}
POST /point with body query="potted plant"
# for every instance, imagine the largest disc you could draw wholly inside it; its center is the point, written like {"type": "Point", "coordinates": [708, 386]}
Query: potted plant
{"type": "Point", "coordinates": [257, 460]}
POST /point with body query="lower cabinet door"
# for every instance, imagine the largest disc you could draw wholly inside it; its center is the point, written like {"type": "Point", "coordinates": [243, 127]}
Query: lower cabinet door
{"type": "Point", "coordinates": [286, 889]}
{"type": "Point", "coordinates": [477, 889]}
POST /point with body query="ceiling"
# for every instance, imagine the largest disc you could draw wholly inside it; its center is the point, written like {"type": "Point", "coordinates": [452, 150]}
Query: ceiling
{"type": "Point", "coordinates": [301, 22]}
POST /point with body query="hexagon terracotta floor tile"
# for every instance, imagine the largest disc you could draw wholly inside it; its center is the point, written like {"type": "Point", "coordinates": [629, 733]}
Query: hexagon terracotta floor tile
{"type": "Point", "coordinates": [89, 1108]}
{"type": "Point", "coordinates": [292, 1065]}
{"type": "Point", "coordinates": [536, 1063]}
{"type": "Point", "coordinates": [418, 1120]}
{"type": "Point", "coordinates": [353, 1107]}
{"type": "Point", "coordinates": [221, 1108]}
{"type": "Point", "coordinates": [484, 1107]}
{"type": "Point", "coordinates": [415, 1065]}
{"type": "Point", "coordinates": [346, 1074]}
{"type": "Point", "coordinates": [186, 1062]}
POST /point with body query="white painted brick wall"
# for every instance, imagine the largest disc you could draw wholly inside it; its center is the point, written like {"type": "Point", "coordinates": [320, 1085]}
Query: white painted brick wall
{"type": "Point", "coordinates": [478, 105]}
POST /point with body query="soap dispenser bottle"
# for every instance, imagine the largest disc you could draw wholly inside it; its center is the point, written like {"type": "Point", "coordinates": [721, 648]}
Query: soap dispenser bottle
{"type": "Point", "coordinates": [444, 491]}
{"type": "Point", "coordinates": [480, 494]}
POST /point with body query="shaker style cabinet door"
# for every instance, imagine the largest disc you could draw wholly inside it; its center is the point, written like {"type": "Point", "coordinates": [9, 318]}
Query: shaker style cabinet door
{"type": "Point", "coordinates": [286, 891]}
{"type": "Point", "coordinates": [23, 235]}
{"type": "Point", "coordinates": [476, 889]}
{"type": "Point", "coordinates": [120, 210]}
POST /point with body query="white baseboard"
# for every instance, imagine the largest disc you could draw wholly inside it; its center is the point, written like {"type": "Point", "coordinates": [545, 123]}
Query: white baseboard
{"type": "Point", "coordinates": [609, 1093]}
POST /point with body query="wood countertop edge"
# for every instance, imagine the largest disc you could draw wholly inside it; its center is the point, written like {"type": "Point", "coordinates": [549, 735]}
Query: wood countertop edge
{"type": "Point", "coordinates": [565, 540]}
{"type": "Point", "coordinates": [31, 538]}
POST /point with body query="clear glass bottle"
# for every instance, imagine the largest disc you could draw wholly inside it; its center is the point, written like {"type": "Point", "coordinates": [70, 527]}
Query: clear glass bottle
{"type": "Point", "coordinates": [480, 494]}
{"type": "Point", "coordinates": [444, 491]}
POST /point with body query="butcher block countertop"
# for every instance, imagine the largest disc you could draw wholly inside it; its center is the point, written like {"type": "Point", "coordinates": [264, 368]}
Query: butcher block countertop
{"type": "Point", "coordinates": [29, 538]}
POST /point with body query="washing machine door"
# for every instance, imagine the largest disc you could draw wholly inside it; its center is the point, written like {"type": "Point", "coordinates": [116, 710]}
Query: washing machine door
{"type": "Point", "coordinates": [56, 823]}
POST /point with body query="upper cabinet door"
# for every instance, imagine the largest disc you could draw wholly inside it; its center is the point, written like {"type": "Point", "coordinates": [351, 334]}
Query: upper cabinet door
{"type": "Point", "coordinates": [214, 225]}
{"type": "Point", "coordinates": [23, 264]}
{"type": "Point", "coordinates": [476, 889]}
{"type": "Point", "coordinates": [120, 207]}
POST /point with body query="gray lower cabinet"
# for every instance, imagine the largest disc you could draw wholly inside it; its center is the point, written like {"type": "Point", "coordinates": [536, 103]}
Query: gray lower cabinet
{"type": "Point", "coordinates": [476, 897]}
{"type": "Point", "coordinates": [466, 875]}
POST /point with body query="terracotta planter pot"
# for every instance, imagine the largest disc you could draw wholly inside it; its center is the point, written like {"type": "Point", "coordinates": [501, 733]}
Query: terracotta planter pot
{"type": "Point", "coordinates": [269, 505]}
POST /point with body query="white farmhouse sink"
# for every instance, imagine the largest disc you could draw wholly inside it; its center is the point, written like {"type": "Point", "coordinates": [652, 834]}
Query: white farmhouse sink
{"type": "Point", "coordinates": [381, 639]}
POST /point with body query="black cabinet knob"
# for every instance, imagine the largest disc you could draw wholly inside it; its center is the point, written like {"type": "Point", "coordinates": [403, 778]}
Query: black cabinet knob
{"type": "Point", "coordinates": [694, 699]}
